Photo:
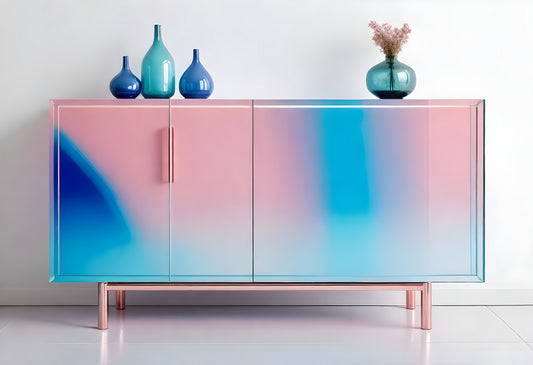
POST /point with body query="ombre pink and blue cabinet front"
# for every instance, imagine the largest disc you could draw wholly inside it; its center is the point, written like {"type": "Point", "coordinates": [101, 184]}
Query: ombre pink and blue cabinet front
{"type": "Point", "coordinates": [111, 182]}
{"type": "Point", "coordinates": [267, 191]}
{"type": "Point", "coordinates": [211, 192]}
{"type": "Point", "coordinates": [368, 191]}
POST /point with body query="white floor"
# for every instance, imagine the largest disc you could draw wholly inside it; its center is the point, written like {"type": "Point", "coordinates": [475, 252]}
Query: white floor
{"type": "Point", "coordinates": [324, 335]}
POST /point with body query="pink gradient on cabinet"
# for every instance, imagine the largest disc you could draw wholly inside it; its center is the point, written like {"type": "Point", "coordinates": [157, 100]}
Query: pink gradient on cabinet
{"type": "Point", "coordinates": [287, 175]}
{"type": "Point", "coordinates": [290, 223]}
{"type": "Point", "coordinates": [449, 151]}
{"type": "Point", "coordinates": [364, 192]}
{"type": "Point", "coordinates": [450, 189]}
{"type": "Point", "coordinates": [211, 205]}
{"type": "Point", "coordinates": [396, 143]}
{"type": "Point", "coordinates": [103, 130]}
{"type": "Point", "coordinates": [291, 191]}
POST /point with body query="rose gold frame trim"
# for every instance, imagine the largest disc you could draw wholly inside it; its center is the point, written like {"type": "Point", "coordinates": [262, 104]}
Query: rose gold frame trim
{"type": "Point", "coordinates": [261, 286]}
{"type": "Point", "coordinates": [120, 288]}
{"type": "Point", "coordinates": [171, 154]}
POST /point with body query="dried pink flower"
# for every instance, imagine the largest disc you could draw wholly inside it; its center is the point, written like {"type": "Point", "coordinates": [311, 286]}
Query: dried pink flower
{"type": "Point", "coordinates": [389, 39]}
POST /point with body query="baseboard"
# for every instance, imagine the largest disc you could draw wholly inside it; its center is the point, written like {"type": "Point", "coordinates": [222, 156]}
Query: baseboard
{"type": "Point", "coordinates": [86, 294]}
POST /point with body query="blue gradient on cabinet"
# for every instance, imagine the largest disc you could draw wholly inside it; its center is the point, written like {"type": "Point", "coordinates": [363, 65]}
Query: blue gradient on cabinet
{"type": "Point", "coordinates": [84, 189]}
{"type": "Point", "coordinates": [346, 205]}
{"type": "Point", "coordinates": [85, 201]}
{"type": "Point", "coordinates": [361, 194]}
{"type": "Point", "coordinates": [345, 179]}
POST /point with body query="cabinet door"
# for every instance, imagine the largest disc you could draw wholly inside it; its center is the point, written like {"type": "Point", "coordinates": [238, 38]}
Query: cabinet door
{"type": "Point", "coordinates": [355, 191]}
{"type": "Point", "coordinates": [211, 192]}
{"type": "Point", "coordinates": [111, 198]}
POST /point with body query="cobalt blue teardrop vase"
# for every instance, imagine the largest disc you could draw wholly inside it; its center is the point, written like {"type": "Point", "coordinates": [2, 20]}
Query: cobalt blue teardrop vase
{"type": "Point", "coordinates": [391, 79]}
{"type": "Point", "coordinates": [125, 85]}
{"type": "Point", "coordinates": [196, 83]}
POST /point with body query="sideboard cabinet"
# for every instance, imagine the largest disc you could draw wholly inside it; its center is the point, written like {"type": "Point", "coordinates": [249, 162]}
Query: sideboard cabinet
{"type": "Point", "coordinates": [266, 194]}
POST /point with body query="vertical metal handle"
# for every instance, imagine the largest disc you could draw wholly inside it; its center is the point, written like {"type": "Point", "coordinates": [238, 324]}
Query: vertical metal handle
{"type": "Point", "coordinates": [171, 154]}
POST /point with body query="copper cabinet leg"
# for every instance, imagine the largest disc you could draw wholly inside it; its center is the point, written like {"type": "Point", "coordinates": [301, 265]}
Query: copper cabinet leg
{"type": "Point", "coordinates": [426, 306]}
{"type": "Point", "coordinates": [410, 299]}
{"type": "Point", "coordinates": [121, 299]}
{"type": "Point", "coordinates": [102, 305]}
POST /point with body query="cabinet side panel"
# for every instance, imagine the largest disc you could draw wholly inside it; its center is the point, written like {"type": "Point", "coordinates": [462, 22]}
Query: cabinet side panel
{"type": "Point", "coordinates": [52, 195]}
{"type": "Point", "coordinates": [479, 121]}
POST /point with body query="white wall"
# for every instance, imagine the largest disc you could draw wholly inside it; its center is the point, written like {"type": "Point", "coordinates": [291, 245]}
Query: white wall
{"type": "Point", "coordinates": [267, 49]}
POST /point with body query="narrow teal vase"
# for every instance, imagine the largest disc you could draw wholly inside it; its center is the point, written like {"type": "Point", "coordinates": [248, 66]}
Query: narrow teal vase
{"type": "Point", "coordinates": [158, 76]}
{"type": "Point", "coordinates": [391, 79]}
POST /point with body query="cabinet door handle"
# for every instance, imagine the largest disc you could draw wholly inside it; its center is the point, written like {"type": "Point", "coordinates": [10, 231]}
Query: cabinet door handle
{"type": "Point", "coordinates": [171, 154]}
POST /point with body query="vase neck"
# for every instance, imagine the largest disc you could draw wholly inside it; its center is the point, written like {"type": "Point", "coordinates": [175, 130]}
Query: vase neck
{"type": "Point", "coordinates": [126, 62]}
{"type": "Point", "coordinates": [390, 59]}
{"type": "Point", "coordinates": [196, 55]}
{"type": "Point", "coordinates": [157, 33]}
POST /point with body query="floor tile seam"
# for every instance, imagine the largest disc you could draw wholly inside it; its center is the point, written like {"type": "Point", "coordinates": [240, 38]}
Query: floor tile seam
{"type": "Point", "coordinates": [510, 305]}
{"type": "Point", "coordinates": [80, 343]}
{"type": "Point", "coordinates": [511, 328]}
{"type": "Point", "coordinates": [518, 340]}
{"type": "Point", "coordinates": [201, 343]}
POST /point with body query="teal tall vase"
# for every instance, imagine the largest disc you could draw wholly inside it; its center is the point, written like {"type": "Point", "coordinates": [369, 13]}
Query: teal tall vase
{"type": "Point", "coordinates": [158, 78]}
{"type": "Point", "coordinates": [391, 79]}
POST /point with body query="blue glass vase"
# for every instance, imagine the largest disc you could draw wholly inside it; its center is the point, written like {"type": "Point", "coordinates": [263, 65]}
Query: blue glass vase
{"type": "Point", "coordinates": [125, 85]}
{"type": "Point", "coordinates": [196, 83]}
{"type": "Point", "coordinates": [391, 79]}
{"type": "Point", "coordinates": [157, 76]}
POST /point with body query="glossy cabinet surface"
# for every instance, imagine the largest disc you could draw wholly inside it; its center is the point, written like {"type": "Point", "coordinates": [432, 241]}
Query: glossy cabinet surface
{"type": "Point", "coordinates": [267, 191]}
{"type": "Point", "coordinates": [211, 195]}
{"type": "Point", "coordinates": [110, 216]}
{"type": "Point", "coordinates": [354, 191]}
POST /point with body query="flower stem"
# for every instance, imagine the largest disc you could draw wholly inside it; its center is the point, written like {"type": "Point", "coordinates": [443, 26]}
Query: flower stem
{"type": "Point", "coordinates": [390, 62]}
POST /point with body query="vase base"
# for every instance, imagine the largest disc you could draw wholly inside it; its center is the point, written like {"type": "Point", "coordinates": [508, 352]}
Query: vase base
{"type": "Point", "coordinates": [125, 96]}
{"type": "Point", "coordinates": [187, 96]}
{"type": "Point", "coordinates": [388, 94]}
{"type": "Point", "coordinates": [156, 97]}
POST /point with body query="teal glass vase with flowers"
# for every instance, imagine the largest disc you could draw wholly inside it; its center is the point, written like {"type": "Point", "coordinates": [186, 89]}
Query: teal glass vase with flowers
{"type": "Point", "coordinates": [390, 79]}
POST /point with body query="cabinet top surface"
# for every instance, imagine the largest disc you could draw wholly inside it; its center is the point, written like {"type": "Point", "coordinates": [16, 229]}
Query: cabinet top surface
{"type": "Point", "coordinates": [270, 102]}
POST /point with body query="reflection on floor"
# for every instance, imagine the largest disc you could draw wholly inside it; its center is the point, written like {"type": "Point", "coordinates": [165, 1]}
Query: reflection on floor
{"type": "Point", "coordinates": [266, 335]}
